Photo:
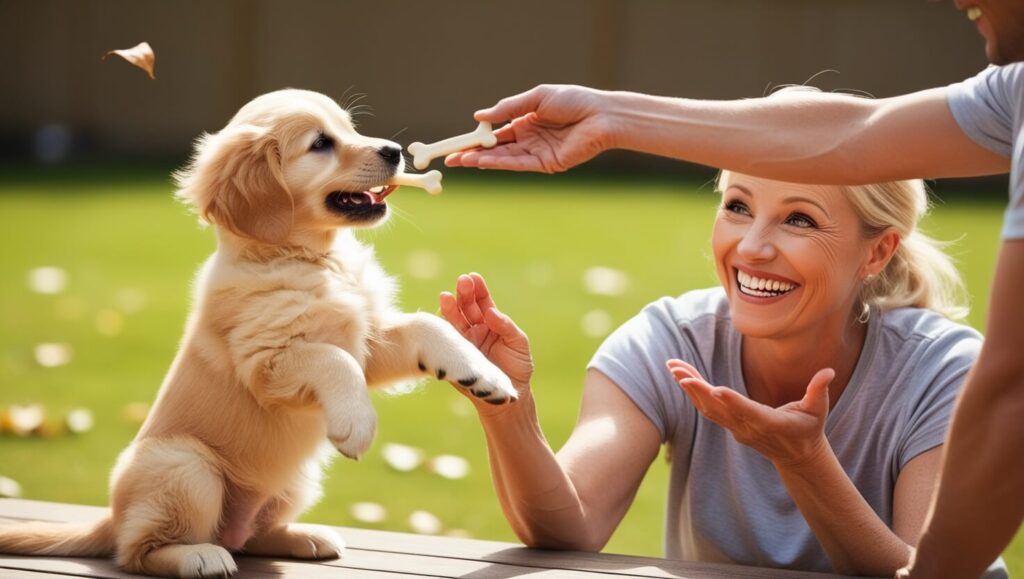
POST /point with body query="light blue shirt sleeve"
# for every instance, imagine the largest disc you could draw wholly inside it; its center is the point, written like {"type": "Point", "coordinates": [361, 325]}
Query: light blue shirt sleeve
{"type": "Point", "coordinates": [989, 108]}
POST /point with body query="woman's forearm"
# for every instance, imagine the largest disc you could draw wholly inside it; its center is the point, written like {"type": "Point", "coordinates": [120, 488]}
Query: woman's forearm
{"type": "Point", "coordinates": [537, 496]}
{"type": "Point", "coordinates": [856, 541]}
{"type": "Point", "coordinates": [800, 137]}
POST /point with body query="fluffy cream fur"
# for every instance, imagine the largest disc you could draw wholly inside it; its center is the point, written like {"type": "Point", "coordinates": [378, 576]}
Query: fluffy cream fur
{"type": "Point", "coordinates": [292, 320]}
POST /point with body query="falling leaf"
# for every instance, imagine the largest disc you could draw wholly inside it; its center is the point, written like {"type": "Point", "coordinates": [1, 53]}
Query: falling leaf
{"type": "Point", "coordinates": [23, 420]}
{"type": "Point", "coordinates": [606, 281]}
{"type": "Point", "coordinates": [47, 280]}
{"type": "Point", "coordinates": [135, 412]}
{"type": "Point", "coordinates": [79, 420]}
{"type": "Point", "coordinates": [401, 457]}
{"type": "Point", "coordinates": [109, 323]}
{"type": "Point", "coordinates": [424, 523]}
{"type": "Point", "coordinates": [141, 55]}
{"type": "Point", "coordinates": [424, 264]}
{"type": "Point", "coordinates": [51, 355]}
{"type": "Point", "coordinates": [596, 323]}
{"type": "Point", "coordinates": [368, 512]}
{"type": "Point", "coordinates": [449, 466]}
{"type": "Point", "coordinates": [9, 488]}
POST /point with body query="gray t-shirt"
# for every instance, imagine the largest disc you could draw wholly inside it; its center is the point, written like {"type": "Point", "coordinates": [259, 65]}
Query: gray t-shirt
{"type": "Point", "coordinates": [726, 503]}
{"type": "Point", "coordinates": [990, 109]}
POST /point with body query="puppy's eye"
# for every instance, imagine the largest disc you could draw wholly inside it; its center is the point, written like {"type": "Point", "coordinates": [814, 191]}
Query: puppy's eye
{"type": "Point", "coordinates": [322, 143]}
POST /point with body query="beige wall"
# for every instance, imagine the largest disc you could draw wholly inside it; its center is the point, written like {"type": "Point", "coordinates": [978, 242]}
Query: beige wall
{"type": "Point", "coordinates": [426, 65]}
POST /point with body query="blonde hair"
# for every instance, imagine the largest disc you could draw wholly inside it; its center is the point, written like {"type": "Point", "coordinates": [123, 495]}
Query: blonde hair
{"type": "Point", "coordinates": [920, 274]}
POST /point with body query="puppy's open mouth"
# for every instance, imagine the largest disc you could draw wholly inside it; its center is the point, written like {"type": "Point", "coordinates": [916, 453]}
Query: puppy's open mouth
{"type": "Point", "coordinates": [361, 205]}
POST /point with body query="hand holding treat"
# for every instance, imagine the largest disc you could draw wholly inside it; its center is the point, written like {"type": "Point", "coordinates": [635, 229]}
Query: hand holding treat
{"type": "Point", "coordinates": [430, 181]}
{"type": "Point", "coordinates": [424, 154]}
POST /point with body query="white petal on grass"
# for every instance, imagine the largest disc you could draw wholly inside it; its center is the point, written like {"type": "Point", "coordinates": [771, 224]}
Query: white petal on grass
{"type": "Point", "coordinates": [449, 466]}
{"type": "Point", "coordinates": [23, 420]}
{"type": "Point", "coordinates": [135, 412]}
{"type": "Point", "coordinates": [401, 457]}
{"type": "Point", "coordinates": [424, 264]}
{"type": "Point", "coordinates": [9, 488]}
{"type": "Point", "coordinates": [79, 420]}
{"type": "Point", "coordinates": [368, 512]}
{"type": "Point", "coordinates": [424, 523]}
{"type": "Point", "coordinates": [130, 300]}
{"type": "Point", "coordinates": [606, 281]}
{"type": "Point", "coordinates": [596, 323]}
{"type": "Point", "coordinates": [109, 323]}
{"type": "Point", "coordinates": [53, 354]}
{"type": "Point", "coordinates": [47, 280]}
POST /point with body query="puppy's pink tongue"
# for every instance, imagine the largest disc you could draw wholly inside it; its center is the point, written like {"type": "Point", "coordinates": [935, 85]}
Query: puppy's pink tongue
{"type": "Point", "coordinates": [378, 197]}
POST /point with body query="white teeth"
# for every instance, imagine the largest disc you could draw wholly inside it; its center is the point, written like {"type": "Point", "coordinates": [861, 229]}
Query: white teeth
{"type": "Point", "coordinates": [761, 287]}
{"type": "Point", "coordinates": [377, 189]}
{"type": "Point", "coordinates": [974, 13]}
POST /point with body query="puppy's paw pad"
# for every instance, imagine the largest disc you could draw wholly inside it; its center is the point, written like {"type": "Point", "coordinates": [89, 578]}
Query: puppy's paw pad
{"type": "Point", "coordinates": [467, 382]}
{"type": "Point", "coordinates": [441, 373]}
{"type": "Point", "coordinates": [207, 561]}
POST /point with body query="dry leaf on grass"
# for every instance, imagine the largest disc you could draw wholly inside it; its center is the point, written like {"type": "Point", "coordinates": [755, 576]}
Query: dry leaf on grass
{"type": "Point", "coordinates": [140, 55]}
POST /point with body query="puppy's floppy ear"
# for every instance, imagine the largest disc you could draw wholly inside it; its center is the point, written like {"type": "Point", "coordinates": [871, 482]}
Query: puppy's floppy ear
{"type": "Point", "coordinates": [235, 181]}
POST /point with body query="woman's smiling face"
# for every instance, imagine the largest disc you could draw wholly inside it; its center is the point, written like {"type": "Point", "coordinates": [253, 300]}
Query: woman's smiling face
{"type": "Point", "coordinates": [790, 257]}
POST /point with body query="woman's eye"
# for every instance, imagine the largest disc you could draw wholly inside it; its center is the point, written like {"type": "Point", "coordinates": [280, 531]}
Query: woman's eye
{"type": "Point", "coordinates": [801, 220]}
{"type": "Point", "coordinates": [737, 207]}
{"type": "Point", "coordinates": [322, 143]}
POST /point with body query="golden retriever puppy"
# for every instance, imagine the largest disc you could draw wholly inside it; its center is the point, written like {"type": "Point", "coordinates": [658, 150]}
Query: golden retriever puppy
{"type": "Point", "coordinates": [292, 320]}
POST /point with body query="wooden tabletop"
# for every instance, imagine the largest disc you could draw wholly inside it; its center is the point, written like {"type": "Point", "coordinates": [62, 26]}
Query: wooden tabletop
{"type": "Point", "coordinates": [387, 555]}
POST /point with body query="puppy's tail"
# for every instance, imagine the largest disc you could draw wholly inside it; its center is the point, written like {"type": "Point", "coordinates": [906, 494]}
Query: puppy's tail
{"type": "Point", "coordinates": [61, 539]}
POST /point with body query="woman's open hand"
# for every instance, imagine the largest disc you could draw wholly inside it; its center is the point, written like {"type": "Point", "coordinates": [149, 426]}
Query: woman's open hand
{"type": "Point", "coordinates": [473, 313]}
{"type": "Point", "coordinates": [551, 128]}
{"type": "Point", "coordinates": [790, 435]}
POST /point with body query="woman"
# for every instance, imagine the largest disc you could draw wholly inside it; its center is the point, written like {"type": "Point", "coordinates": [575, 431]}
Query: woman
{"type": "Point", "coordinates": [837, 372]}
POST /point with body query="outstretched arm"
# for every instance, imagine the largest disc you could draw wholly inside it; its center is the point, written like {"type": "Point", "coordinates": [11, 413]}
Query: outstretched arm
{"type": "Point", "coordinates": [573, 499]}
{"type": "Point", "coordinates": [805, 137]}
{"type": "Point", "coordinates": [980, 505]}
{"type": "Point", "coordinates": [792, 437]}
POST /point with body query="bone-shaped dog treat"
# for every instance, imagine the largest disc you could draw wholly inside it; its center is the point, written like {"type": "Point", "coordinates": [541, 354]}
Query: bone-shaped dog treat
{"type": "Point", "coordinates": [431, 181]}
{"type": "Point", "coordinates": [422, 154]}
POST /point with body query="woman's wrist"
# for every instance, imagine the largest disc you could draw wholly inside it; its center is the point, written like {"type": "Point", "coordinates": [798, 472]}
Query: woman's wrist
{"type": "Point", "coordinates": [812, 458]}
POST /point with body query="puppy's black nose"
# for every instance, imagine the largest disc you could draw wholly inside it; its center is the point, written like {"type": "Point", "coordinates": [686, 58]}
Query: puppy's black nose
{"type": "Point", "coordinates": [390, 154]}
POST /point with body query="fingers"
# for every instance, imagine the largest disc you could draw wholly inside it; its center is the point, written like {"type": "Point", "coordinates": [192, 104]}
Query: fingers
{"type": "Point", "coordinates": [503, 157]}
{"type": "Point", "coordinates": [466, 298]}
{"type": "Point", "coordinates": [451, 312]}
{"type": "Point", "coordinates": [511, 107]}
{"type": "Point", "coordinates": [507, 329]}
{"type": "Point", "coordinates": [483, 294]}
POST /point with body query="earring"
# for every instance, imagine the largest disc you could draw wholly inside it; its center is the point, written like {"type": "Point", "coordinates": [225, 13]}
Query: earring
{"type": "Point", "coordinates": [865, 314]}
{"type": "Point", "coordinates": [869, 278]}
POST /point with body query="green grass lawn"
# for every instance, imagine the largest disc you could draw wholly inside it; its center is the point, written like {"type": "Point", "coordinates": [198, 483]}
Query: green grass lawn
{"type": "Point", "coordinates": [121, 239]}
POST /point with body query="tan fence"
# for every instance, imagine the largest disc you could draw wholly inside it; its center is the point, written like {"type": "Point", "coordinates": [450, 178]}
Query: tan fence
{"type": "Point", "coordinates": [424, 66]}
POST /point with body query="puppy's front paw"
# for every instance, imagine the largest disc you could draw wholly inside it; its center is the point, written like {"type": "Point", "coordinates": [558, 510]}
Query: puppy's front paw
{"type": "Point", "coordinates": [206, 560]}
{"type": "Point", "coordinates": [352, 431]}
{"type": "Point", "coordinates": [469, 370]}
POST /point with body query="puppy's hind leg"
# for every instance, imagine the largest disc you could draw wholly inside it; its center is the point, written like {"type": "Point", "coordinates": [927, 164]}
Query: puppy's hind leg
{"type": "Point", "coordinates": [278, 537]}
{"type": "Point", "coordinates": [168, 499]}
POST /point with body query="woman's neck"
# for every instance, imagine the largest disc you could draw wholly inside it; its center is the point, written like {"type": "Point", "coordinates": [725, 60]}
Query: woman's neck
{"type": "Point", "coordinates": [777, 371]}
